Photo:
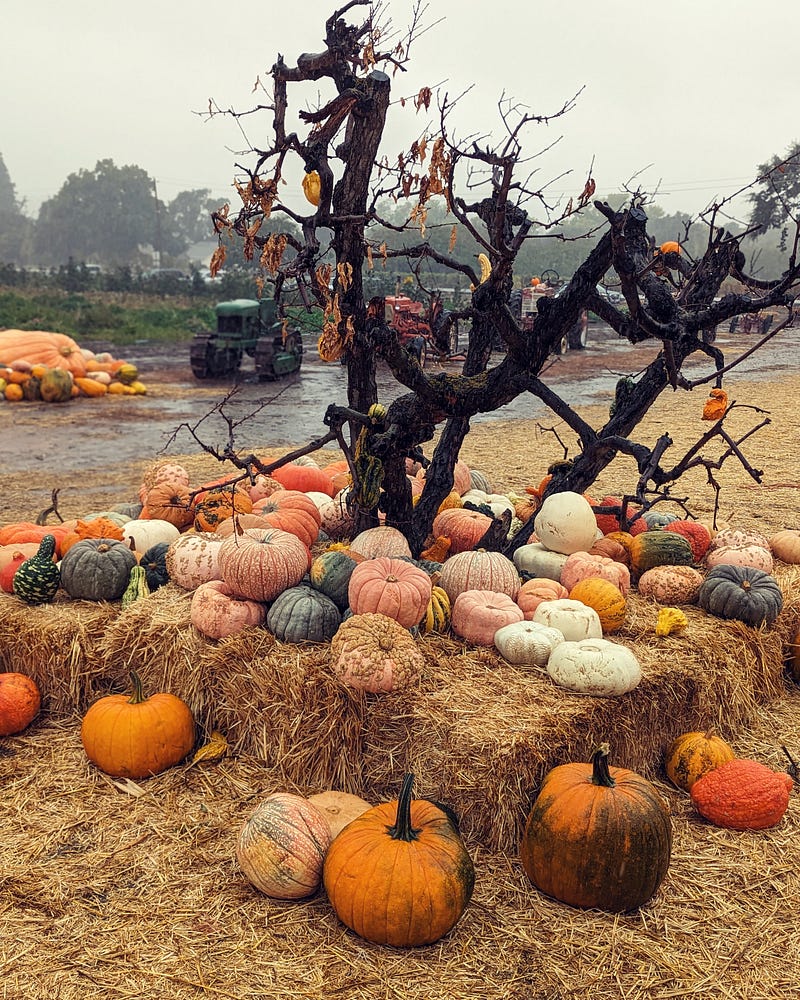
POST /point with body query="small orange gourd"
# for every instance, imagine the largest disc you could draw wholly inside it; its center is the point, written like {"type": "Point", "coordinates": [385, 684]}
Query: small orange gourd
{"type": "Point", "coordinates": [691, 755]}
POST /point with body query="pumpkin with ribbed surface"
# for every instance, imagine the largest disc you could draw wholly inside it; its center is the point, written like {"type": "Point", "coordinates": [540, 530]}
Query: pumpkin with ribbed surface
{"type": "Point", "coordinates": [400, 873]}
{"type": "Point", "coordinates": [538, 589]}
{"type": "Point", "coordinates": [597, 836]}
{"type": "Point", "coordinates": [659, 548]}
{"type": "Point", "coordinates": [742, 593]}
{"type": "Point", "coordinates": [37, 579]}
{"type": "Point", "coordinates": [302, 614]}
{"type": "Point", "coordinates": [479, 569]}
{"type": "Point", "coordinates": [606, 599]}
{"type": "Point", "coordinates": [217, 612]}
{"type": "Point", "coordinates": [263, 562]}
{"type": "Point", "coordinates": [464, 527]}
{"type": "Point", "coordinates": [392, 587]}
{"type": "Point", "coordinates": [282, 845]}
{"type": "Point", "coordinates": [97, 569]}
{"type": "Point", "coordinates": [380, 541]}
{"type": "Point", "coordinates": [20, 701]}
{"type": "Point", "coordinates": [54, 350]}
{"type": "Point", "coordinates": [169, 502]}
{"type": "Point", "coordinates": [330, 574]}
{"type": "Point", "coordinates": [583, 565]}
{"type": "Point", "coordinates": [697, 534]}
{"type": "Point", "coordinates": [478, 614]}
{"type": "Point", "coordinates": [742, 794]}
{"type": "Point", "coordinates": [293, 511]}
{"type": "Point", "coordinates": [136, 736]}
{"type": "Point", "coordinates": [691, 755]}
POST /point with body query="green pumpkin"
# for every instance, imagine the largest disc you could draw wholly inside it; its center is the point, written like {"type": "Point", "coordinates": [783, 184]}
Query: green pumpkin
{"type": "Point", "coordinates": [330, 575]}
{"type": "Point", "coordinates": [97, 569]}
{"type": "Point", "coordinates": [32, 389]}
{"type": "Point", "coordinates": [740, 592]}
{"type": "Point", "coordinates": [302, 614]}
{"type": "Point", "coordinates": [659, 548]}
{"type": "Point", "coordinates": [55, 385]}
{"type": "Point", "coordinates": [37, 579]}
{"type": "Point", "coordinates": [154, 564]}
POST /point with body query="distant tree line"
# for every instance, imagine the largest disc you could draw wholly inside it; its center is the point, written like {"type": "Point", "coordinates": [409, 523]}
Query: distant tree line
{"type": "Point", "coordinates": [112, 216]}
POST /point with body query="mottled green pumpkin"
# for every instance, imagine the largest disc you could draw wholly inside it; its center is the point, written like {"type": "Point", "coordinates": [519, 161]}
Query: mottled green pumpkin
{"type": "Point", "coordinates": [741, 592]}
{"type": "Point", "coordinates": [303, 614]}
{"type": "Point", "coordinates": [154, 563]}
{"type": "Point", "coordinates": [97, 569]}
{"type": "Point", "coordinates": [330, 574]}
{"type": "Point", "coordinates": [55, 385]}
{"type": "Point", "coordinates": [659, 548]}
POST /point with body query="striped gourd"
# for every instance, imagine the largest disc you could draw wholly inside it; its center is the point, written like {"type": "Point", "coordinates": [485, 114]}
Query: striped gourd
{"type": "Point", "coordinates": [437, 614]}
{"type": "Point", "coordinates": [659, 548]}
{"type": "Point", "coordinates": [37, 579]}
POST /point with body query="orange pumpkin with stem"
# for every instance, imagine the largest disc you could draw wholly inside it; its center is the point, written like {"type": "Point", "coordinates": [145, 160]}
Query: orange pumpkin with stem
{"type": "Point", "coordinates": [134, 737]}
{"type": "Point", "coordinates": [20, 701]}
{"type": "Point", "coordinates": [391, 587]}
{"type": "Point", "coordinates": [400, 874]}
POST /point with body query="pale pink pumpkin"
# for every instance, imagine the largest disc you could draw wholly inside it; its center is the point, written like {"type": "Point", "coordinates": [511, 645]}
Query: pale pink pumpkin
{"type": "Point", "coordinates": [261, 563]}
{"type": "Point", "coordinates": [738, 536]}
{"type": "Point", "coordinates": [465, 528]}
{"type": "Point", "coordinates": [478, 614]}
{"type": "Point", "coordinates": [380, 541]}
{"type": "Point", "coordinates": [479, 569]}
{"type": "Point", "coordinates": [281, 847]}
{"type": "Point", "coordinates": [171, 473]}
{"type": "Point", "coordinates": [391, 587]}
{"type": "Point", "coordinates": [581, 565]}
{"type": "Point", "coordinates": [193, 559]}
{"type": "Point", "coordinates": [533, 592]}
{"type": "Point", "coordinates": [462, 477]}
{"type": "Point", "coordinates": [755, 556]}
{"type": "Point", "coordinates": [670, 585]}
{"type": "Point", "coordinates": [217, 612]}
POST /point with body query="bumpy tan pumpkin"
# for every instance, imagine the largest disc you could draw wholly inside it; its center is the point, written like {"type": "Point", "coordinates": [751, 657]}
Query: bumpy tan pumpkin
{"type": "Point", "coordinates": [375, 653]}
{"type": "Point", "coordinates": [671, 584]}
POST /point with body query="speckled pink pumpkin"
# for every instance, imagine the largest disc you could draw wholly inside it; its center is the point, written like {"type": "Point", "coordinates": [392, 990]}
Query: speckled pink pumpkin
{"type": "Point", "coordinates": [373, 652]}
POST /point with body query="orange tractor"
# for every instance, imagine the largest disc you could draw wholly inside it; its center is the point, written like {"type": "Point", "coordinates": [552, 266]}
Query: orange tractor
{"type": "Point", "coordinates": [422, 330]}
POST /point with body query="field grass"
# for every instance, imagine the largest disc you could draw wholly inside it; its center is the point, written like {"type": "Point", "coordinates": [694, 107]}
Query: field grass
{"type": "Point", "coordinates": [120, 318]}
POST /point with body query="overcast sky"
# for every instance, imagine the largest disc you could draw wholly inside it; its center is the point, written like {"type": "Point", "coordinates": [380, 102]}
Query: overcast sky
{"type": "Point", "coordinates": [693, 94]}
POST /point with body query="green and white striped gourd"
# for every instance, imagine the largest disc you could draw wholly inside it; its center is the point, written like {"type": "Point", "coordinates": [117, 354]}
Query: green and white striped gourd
{"type": "Point", "coordinates": [137, 586]}
{"type": "Point", "coordinates": [37, 579]}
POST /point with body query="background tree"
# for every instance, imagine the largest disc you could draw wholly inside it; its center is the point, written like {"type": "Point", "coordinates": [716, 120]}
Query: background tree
{"type": "Point", "coordinates": [15, 227]}
{"type": "Point", "coordinates": [775, 198]}
{"type": "Point", "coordinates": [672, 297]}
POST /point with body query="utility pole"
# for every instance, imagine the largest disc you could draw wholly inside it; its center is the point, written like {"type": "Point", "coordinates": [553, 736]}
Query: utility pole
{"type": "Point", "coordinates": [157, 245]}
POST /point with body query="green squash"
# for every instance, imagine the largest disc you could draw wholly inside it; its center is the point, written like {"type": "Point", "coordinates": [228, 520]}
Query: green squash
{"type": "Point", "coordinates": [37, 579]}
{"type": "Point", "coordinates": [330, 574]}
{"type": "Point", "coordinates": [137, 587]}
{"type": "Point", "coordinates": [55, 385]}
{"type": "Point", "coordinates": [742, 593]}
{"type": "Point", "coordinates": [657, 547]}
{"type": "Point", "coordinates": [303, 614]}
{"type": "Point", "coordinates": [154, 564]}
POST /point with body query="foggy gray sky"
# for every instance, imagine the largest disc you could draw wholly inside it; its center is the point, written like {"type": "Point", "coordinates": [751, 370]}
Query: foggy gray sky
{"type": "Point", "coordinates": [691, 93]}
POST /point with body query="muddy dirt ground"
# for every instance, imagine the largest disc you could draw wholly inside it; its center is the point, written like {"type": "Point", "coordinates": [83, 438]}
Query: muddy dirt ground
{"type": "Point", "coordinates": [94, 449]}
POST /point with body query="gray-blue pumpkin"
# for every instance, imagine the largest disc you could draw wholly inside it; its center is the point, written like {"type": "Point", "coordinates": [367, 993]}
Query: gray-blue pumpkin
{"type": "Point", "coordinates": [303, 614]}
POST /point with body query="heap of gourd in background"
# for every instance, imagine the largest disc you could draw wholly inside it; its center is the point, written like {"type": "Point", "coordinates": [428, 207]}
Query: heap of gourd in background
{"type": "Point", "coordinates": [37, 365]}
{"type": "Point", "coordinates": [278, 552]}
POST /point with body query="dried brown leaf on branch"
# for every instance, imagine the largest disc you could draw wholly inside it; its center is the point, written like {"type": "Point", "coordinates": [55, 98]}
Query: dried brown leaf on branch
{"type": "Point", "coordinates": [272, 252]}
{"type": "Point", "coordinates": [216, 262]}
{"type": "Point", "coordinates": [423, 99]}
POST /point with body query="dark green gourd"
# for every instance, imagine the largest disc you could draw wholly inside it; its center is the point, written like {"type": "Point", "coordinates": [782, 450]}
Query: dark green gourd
{"type": "Point", "coordinates": [37, 579]}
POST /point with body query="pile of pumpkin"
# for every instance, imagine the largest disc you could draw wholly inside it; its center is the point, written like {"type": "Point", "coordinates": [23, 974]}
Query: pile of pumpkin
{"type": "Point", "coordinates": [37, 365]}
{"type": "Point", "coordinates": [399, 873]}
{"type": "Point", "coordinates": [277, 551]}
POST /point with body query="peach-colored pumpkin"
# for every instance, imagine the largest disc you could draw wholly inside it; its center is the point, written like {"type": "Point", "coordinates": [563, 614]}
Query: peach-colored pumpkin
{"type": "Point", "coordinates": [785, 545]}
{"type": "Point", "coordinates": [217, 612]}
{"type": "Point", "coordinates": [738, 536]}
{"type": "Point", "coordinates": [391, 587]}
{"type": "Point", "coordinates": [372, 652]}
{"type": "Point", "coordinates": [670, 585]}
{"type": "Point", "coordinates": [261, 563]}
{"type": "Point", "coordinates": [581, 565]}
{"type": "Point", "coordinates": [163, 472]}
{"type": "Point", "coordinates": [478, 614]}
{"type": "Point", "coordinates": [755, 556]}
{"type": "Point", "coordinates": [293, 511]}
{"type": "Point", "coordinates": [533, 592]}
{"type": "Point", "coordinates": [462, 478]}
{"type": "Point", "coordinates": [464, 527]}
{"type": "Point", "coordinates": [479, 569]}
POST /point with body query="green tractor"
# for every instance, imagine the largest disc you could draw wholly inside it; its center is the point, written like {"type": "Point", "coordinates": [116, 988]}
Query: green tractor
{"type": "Point", "coordinates": [247, 326]}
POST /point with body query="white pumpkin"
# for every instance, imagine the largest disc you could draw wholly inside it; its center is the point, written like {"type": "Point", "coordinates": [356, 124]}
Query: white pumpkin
{"type": "Point", "coordinates": [337, 521]}
{"type": "Point", "coordinates": [147, 532]}
{"type": "Point", "coordinates": [497, 502]}
{"type": "Point", "coordinates": [566, 523]}
{"type": "Point", "coordinates": [534, 560]}
{"type": "Point", "coordinates": [527, 643]}
{"type": "Point", "coordinates": [193, 559]}
{"type": "Point", "coordinates": [596, 667]}
{"type": "Point", "coordinates": [319, 499]}
{"type": "Point", "coordinates": [755, 556]}
{"type": "Point", "coordinates": [573, 619]}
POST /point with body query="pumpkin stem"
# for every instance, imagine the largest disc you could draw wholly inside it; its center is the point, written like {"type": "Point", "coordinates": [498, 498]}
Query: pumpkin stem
{"type": "Point", "coordinates": [138, 693]}
{"type": "Point", "coordinates": [600, 772]}
{"type": "Point", "coordinates": [402, 829]}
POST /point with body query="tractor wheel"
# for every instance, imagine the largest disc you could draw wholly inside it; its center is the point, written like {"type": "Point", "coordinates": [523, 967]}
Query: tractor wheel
{"type": "Point", "coordinates": [578, 336]}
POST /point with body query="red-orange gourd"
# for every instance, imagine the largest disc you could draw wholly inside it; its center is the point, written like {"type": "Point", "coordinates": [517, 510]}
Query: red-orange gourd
{"type": "Point", "coordinates": [597, 836]}
{"type": "Point", "coordinates": [742, 794]}
{"type": "Point", "coordinates": [400, 874]}
{"type": "Point", "coordinates": [134, 737]}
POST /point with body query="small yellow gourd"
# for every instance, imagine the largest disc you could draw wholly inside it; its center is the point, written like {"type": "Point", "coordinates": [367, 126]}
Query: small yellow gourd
{"type": "Point", "coordinates": [312, 187]}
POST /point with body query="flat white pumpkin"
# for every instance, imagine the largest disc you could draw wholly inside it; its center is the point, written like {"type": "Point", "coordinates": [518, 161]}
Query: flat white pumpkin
{"type": "Point", "coordinates": [596, 667]}
{"type": "Point", "coordinates": [527, 643]}
{"type": "Point", "coordinates": [147, 532]}
{"type": "Point", "coordinates": [573, 619]}
{"type": "Point", "coordinates": [566, 523]}
{"type": "Point", "coordinates": [534, 560]}
{"type": "Point", "coordinates": [497, 502]}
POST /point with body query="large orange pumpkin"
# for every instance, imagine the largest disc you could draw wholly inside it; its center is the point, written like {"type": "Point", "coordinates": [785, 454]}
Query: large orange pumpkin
{"type": "Point", "coordinates": [391, 587]}
{"type": "Point", "coordinates": [292, 511]}
{"type": "Point", "coordinates": [54, 350]}
{"type": "Point", "coordinates": [134, 737]}
{"type": "Point", "coordinates": [597, 836]}
{"type": "Point", "coordinates": [400, 874]}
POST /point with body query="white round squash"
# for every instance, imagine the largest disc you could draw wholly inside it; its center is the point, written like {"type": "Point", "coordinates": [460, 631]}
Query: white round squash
{"type": "Point", "coordinates": [147, 532]}
{"type": "Point", "coordinates": [573, 619]}
{"type": "Point", "coordinates": [566, 523]}
{"type": "Point", "coordinates": [596, 667]}
{"type": "Point", "coordinates": [534, 560]}
{"type": "Point", "coordinates": [527, 643]}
